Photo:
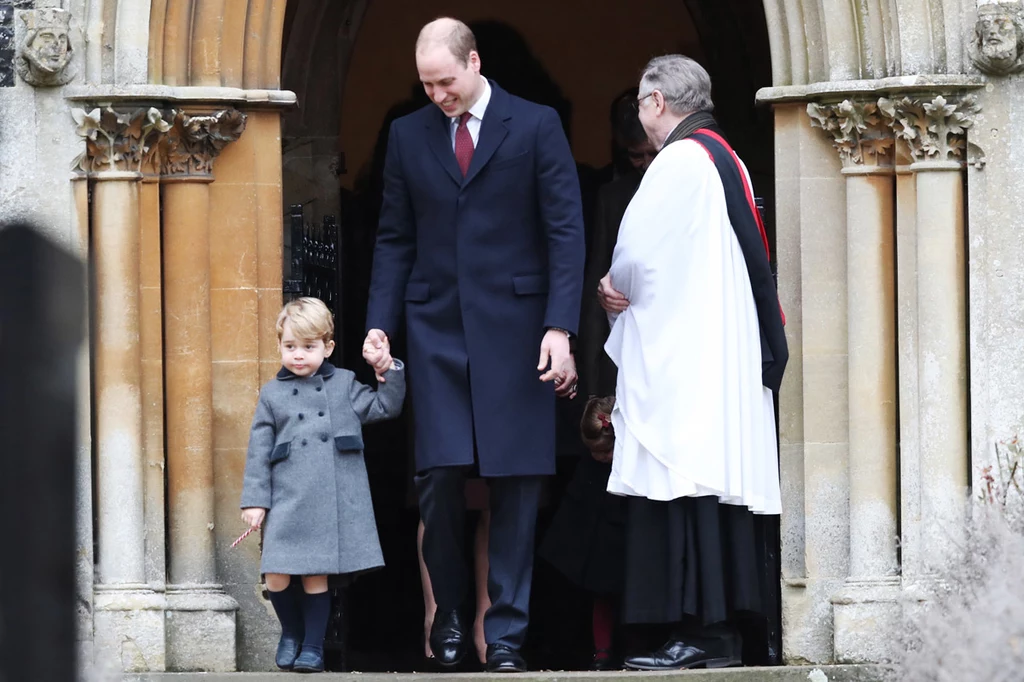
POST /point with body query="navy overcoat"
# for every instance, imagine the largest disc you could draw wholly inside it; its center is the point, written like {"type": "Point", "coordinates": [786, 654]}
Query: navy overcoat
{"type": "Point", "coordinates": [480, 266]}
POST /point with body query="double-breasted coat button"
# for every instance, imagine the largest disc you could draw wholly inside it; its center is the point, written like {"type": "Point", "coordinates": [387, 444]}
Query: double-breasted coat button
{"type": "Point", "coordinates": [301, 416]}
{"type": "Point", "coordinates": [324, 437]}
{"type": "Point", "coordinates": [303, 441]}
{"type": "Point", "coordinates": [319, 388]}
{"type": "Point", "coordinates": [295, 391]}
{"type": "Point", "coordinates": [321, 413]}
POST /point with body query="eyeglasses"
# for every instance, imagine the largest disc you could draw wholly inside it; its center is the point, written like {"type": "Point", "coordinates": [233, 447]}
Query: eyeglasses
{"type": "Point", "coordinates": [636, 102]}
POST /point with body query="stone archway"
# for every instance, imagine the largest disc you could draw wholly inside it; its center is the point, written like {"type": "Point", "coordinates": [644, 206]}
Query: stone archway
{"type": "Point", "coordinates": [213, 59]}
{"type": "Point", "coordinates": [326, 52]}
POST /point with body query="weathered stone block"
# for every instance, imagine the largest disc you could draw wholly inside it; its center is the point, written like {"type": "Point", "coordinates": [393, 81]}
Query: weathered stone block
{"type": "Point", "coordinates": [201, 630]}
{"type": "Point", "coordinates": [867, 616]}
{"type": "Point", "coordinates": [129, 629]}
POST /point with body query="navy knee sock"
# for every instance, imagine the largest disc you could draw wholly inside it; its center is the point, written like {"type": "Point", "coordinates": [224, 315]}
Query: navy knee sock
{"type": "Point", "coordinates": [316, 610]}
{"type": "Point", "coordinates": [288, 607]}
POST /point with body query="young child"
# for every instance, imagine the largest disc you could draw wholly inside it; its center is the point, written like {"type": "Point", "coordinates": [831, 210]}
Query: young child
{"type": "Point", "coordinates": [585, 541]}
{"type": "Point", "coordinates": [305, 479]}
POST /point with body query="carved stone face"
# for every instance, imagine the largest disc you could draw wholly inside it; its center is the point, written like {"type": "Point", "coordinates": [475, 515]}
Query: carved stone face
{"type": "Point", "coordinates": [48, 49]}
{"type": "Point", "coordinates": [45, 53]}
{"type": "Point", "coordinates": [997, 38]}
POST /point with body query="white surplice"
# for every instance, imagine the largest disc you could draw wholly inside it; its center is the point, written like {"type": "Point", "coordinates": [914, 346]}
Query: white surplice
{"type": "Point", "coordinates": [691, 417]}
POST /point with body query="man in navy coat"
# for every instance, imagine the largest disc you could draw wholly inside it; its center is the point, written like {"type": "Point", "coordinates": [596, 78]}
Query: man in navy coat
{"type": "Point", "coordinates": [480, 245]}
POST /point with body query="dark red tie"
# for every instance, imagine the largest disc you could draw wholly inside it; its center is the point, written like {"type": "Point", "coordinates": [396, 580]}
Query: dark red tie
{"type": "Point", "coordinates": [463, 144]}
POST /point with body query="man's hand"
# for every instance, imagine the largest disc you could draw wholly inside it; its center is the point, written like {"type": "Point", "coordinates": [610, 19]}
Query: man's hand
{"type": "Point", "coordinates": [253, 516]}
{"type": "Point", "coordinates": [610, 299]}
{"type": "Point", "coordinates": [377, 352]}
{"type": "Point", "coordinates": [556, 358]}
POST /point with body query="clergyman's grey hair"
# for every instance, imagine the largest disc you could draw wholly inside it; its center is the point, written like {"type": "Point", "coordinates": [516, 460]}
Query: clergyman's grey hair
{"type": "Point", "coordinates": [684, 83]}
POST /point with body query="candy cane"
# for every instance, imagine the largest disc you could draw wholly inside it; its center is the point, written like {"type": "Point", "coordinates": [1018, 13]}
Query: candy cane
{"type": "Point", "coordinates": [242, 536]}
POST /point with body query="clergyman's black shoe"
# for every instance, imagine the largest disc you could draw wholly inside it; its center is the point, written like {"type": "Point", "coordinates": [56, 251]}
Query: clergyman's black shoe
{"type": "Point", "coordinates": [504, 659]}
{"type": "Point", "coordinates": [448, 639]}
{"type": "Point", "coordinates": [676, 654]}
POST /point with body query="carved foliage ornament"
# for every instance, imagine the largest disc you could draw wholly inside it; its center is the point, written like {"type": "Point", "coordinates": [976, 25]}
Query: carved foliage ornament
{"type": "Point", "coordinates": [44, 54]}
{"type": "Point", "coordinates": [117, 141]}
{"type": "Point", "coordinates": [934, 130]}
{"type": "Point", "coordinates": [998, 44]}
{"type": "Point", "coordinates": [195, 141]}
{"type": "Point", "coordinates": [857, 131]}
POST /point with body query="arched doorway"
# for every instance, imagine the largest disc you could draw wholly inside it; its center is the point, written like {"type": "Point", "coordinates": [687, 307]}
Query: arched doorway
{"type": "Point", "coordinates": [351, 65]}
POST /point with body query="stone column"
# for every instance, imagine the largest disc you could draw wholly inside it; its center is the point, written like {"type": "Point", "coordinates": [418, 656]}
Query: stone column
{"type": "Point", "coordinates": [934, 128]}
{"type": "Point", "coordinates": [129, 613]}
{"type": "Point", "coordinates": [813, 433]}
{"type": "Point", "coordinates": [84, 559]}
{"type": "Point", "coordinates": [866, 609]}
{"type": "Point", "coordinates": [151, 343]}
{"type": "Point", "coordinates": [201, 623]}
{"type": "Point", "coordinates": [906, 316]}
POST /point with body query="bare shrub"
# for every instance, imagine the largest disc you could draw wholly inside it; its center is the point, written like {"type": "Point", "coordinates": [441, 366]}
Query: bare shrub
{"type": "Point", "coordinates": [970, 628]}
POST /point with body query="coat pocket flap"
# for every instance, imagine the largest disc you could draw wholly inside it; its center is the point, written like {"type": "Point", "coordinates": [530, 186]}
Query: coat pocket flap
{"type": "Point", "coordinates": [349, 443]}
{"type": "Point", "coordinates": [417, 291]}
{"type": "Point", "coordinates": [524, 285]}
{"type": "Point", "coordinates": [280, 452]}
{"type": "Point", "coordinates": [512, 160]}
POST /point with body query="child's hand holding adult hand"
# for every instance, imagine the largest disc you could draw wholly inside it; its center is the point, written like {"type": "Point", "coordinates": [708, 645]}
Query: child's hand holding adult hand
{"type": "Point", "coordinates": [377, 353]}
{"type": "Point", "coordinates": [254, 516]}
{"type": "Point", "coordinates": [605, 456]}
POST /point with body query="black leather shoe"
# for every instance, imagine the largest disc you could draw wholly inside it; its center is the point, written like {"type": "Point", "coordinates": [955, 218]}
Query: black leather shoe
{"type": "Point", "coordinates": [448, 639]}
{"type": "Point", "coordinates": [309, 661]}
{"type": "Point", "coordinates": [678, 655]}
{"type": "Point", "coordinates": [604, 660]}
{"type": "Point", "coordinates": [287, 652]}
{"type": "Point", "coordinates": [504, 659]}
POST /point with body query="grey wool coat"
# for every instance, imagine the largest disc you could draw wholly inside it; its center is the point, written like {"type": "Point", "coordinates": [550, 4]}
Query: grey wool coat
{"type": "Point", "coordinates": [305, 467]}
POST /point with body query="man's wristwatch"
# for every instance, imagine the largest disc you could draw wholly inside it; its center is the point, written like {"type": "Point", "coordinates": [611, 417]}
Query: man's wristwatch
{"type": "Point", "coordinates": [569, 335]}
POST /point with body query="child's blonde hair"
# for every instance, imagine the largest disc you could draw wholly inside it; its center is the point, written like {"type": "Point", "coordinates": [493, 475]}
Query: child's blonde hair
{"type": "Point", "coordinates": [596, 425]}
{"type": "Point", "coordinates": [310, 320]}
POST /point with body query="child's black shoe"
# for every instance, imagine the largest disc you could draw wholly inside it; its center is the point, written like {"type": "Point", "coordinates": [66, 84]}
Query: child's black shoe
{"type": "Point", "coordinates": [287, 652]}
{"type": "Point", "coordinates": [288, 605]}
{"type": "Point", "coordinates": [309, 661]}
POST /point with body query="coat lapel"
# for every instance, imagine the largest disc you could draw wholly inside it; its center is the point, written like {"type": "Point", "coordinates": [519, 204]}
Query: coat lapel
{"type": "Point", "coordinates": [492, 132]}
{"type": "Point", "coordinates": [439, 137]}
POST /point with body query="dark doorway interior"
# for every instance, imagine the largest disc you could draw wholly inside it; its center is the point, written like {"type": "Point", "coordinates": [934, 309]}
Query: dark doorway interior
{"type": "Point", "coordinates": [383, 621]}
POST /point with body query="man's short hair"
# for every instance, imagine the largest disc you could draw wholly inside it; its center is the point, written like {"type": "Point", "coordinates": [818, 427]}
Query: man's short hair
{"type": "Point", "coordinates": [452, 33]}
{"type": "Point", "coordinates": [310, 320]}
{"type": "Point", "coordinates": [626, 126]}
{"type": "Point", "coordinates": [684, 83]}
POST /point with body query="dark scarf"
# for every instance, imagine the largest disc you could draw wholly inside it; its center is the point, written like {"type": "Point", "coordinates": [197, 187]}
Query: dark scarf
{"type": "Point", "coordinates": [691, 124]}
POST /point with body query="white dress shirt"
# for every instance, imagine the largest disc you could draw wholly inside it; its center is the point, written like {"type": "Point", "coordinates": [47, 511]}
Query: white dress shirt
{"type": "Point", "coordinates": [476, 115]}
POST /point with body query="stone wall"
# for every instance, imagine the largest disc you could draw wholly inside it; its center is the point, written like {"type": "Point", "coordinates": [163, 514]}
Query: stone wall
{"type": "Point", "coordinates": [929, 319]}
{"type": "Point", "coordinates": [38, 148]}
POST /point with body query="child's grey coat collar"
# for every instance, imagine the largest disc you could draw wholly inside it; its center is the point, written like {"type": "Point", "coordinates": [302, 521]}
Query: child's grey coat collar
{"type": "Point", "coordinates": [326, 370]}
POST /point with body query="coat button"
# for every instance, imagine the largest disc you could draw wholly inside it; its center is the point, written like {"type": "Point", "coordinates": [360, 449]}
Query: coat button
{"type": "Point", "coordinates": [303, 441]}
{"type": "Point", "coordinates": [301, 416]}
{"type": "Point", "coordinates": [295, 391]}
{"type": "Point", "coordinates": [319, 388]}
{"type": "Point", "coordinates": [320, 413]}
{"type": "Point", "coordinates": [324, 438]}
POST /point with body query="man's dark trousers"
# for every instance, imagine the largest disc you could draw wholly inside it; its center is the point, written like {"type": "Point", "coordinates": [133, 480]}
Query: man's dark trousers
{"type": "Point", "coordinates": [513, 505]}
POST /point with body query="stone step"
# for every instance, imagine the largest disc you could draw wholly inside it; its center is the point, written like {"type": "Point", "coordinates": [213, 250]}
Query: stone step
{"type": "Point", "coordinates": [825, 673]}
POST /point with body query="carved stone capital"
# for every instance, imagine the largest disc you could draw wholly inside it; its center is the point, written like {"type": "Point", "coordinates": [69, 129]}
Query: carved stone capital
{"type": "Point", "coordinates": [997, 46]}
{"type": "Point", "coordinates": [935, 129]}
{"type": "Point", "coordinates": [195, 141]}
{"type": "Point", "coordinates": [44, 54]}
{"type": "Point", "coordinates": [858, 131]}
{"type": "Point", "coordinates": [117, 141]}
